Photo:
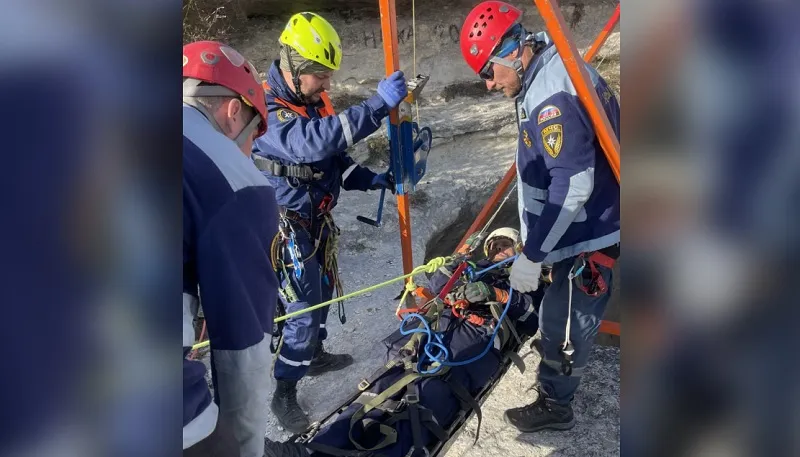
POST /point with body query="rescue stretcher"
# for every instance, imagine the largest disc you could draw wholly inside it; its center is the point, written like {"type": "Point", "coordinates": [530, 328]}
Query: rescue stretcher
{"type": "Point", "coordinates": [505, 345]}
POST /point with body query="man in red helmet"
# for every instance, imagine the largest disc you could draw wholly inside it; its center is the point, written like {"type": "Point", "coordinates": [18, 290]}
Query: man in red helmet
{"type": "Point", "coordinates": [230, 217]}
{"type": "Point", "coordinates": [568, 199]}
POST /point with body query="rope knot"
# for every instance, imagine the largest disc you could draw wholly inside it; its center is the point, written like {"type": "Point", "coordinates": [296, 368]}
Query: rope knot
{"type": "Point", "coordinates": [436, 263]}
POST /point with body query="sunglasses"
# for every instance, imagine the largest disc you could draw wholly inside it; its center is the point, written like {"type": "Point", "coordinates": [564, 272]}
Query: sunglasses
{"type": "Point", "coordinates": [487, 73]}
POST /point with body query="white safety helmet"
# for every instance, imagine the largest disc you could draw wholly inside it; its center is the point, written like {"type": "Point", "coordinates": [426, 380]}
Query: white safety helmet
{"type": "Point", "coordinates": [503, 232]}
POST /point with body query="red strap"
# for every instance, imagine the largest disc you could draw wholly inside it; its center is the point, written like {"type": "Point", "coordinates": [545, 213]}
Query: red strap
{"type": "Point", "coordinates": [596, 277]}
{"type": "Point", "coordinates": [453, 279]}
{"type": "Point", "coordinates": [602, 259]}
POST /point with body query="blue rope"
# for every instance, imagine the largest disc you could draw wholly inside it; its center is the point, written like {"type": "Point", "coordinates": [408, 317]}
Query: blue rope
{"type": "Point", "coordinates": [498, 264]}
{"type": "Point", "coordinates": [438, 344]}
{"type": "Point", "coordinates": [434, 341]}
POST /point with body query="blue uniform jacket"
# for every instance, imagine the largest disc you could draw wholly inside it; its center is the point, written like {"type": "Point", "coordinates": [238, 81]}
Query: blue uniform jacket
{"type": "Point", "coordinates": [229, 220]}
{"type": "Point", "coordinates": [320, 142]}
{"type": "Point", "coordinates": [568, 195]}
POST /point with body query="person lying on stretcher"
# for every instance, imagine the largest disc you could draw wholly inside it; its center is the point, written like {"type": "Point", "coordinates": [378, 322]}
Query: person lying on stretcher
{"type": "Point", "coordinates": [437, 363]}
{"type": "Point", "coordinates": [470, 298]}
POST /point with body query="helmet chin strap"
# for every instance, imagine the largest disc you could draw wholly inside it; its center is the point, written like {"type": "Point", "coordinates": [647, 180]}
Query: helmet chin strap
{"type": "Point", "coordinates": [248, 130]}
{"type": "Point", "coordinates": [295, 78]}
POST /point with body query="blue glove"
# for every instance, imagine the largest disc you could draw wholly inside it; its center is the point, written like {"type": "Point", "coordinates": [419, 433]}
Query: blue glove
{"type": "Point", "coordinates": [392, 89]}
{"type": "Point", "coordinates": [382, 181]}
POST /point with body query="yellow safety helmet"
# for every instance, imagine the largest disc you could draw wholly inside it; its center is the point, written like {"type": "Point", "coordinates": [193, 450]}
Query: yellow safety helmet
{"type": "Point", "coordinates": [314, 38]}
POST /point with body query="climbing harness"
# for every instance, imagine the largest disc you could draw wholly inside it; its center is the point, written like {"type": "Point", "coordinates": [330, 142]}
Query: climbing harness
{"type": "Point", "coordinates": [595, 286]}
{"type": "Point", "coordinates": [277, 169]}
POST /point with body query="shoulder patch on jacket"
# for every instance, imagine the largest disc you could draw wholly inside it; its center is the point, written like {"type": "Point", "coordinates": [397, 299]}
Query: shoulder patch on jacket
{"type": "Point", "coordinates": [552, 139]}
{"type": "Point", "coordinates": [547, 113]}
{"type": "Point", "coordinates": [526, 139]}
{"type": "Point", "coordinates": [285, 115]}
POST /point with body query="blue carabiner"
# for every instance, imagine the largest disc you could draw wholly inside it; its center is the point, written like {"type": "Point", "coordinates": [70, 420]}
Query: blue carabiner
{"type": "Point", "coordinates": [297, 258]}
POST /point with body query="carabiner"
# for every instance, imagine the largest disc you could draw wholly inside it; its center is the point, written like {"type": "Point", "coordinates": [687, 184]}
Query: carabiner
{"type": "Point", "coordinates": [297, 257]}
{"type": "Point", "coordinates": [566, 351]}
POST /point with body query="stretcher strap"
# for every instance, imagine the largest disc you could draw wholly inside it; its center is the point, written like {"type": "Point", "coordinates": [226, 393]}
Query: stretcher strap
{"type": "Point", "coordinates": [389, 434]}
{"type": "Point", "coordinates": [366, 383]}
{"type": "Point", "coordinates": [425, 417]}
{"type": "Point", "coordinates": [496, 312]}
{"type": "Point", "coordinates": [412, 399]}
{"type": "Point", "coordinates": [517, 360]}
{"type": "Point", "coordinates": [467, 402]}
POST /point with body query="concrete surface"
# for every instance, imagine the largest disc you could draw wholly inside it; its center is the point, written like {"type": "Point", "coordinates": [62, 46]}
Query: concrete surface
{"type": "Point", "coordinates": [474, 143]}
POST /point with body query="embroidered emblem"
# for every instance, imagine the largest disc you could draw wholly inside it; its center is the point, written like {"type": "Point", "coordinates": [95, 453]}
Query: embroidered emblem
{"type": "Point", "coordinates": [607, 95]}
{"type": "Point", "coordinates": [522, 114]}
{"type": "Point", "coordinates": [552, 139]}
{"type": "Point", "coordinates": [547, 113]}
{"type": "Point", "coordinates": [285, 115]}
{"type": "Point", "coordinates": [526, 139]}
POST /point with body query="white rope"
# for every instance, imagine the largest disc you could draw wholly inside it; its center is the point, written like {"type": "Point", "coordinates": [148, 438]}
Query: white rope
{"type": "Point", "coordinates": [570, 277]}
{"type": "Point", "coordinates": [414, 45]}
{"type": "Point", "coordinates": [497, 211]}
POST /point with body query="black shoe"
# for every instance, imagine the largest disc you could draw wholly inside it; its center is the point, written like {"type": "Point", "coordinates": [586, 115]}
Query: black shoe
{"type": "Point", "coordinates": [285, 407]}
{"type": "Point", "coordinates": [542, 414]}
{"type": "Point", "coordinates": [277, 449]}
{"type": "Point", "coordinates": [325, 361]}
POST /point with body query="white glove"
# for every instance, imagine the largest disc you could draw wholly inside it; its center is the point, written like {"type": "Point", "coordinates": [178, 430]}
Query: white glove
{"type": "Point", "coordinates": [525, 274]}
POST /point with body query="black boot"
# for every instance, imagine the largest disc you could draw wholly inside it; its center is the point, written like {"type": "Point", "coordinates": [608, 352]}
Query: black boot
{"type": "Point", "coordinates": [284, 406]}
{"type": "Point", "coordinates": [325, 361]}
{"type": "Point", "coordinates": [544, 413]}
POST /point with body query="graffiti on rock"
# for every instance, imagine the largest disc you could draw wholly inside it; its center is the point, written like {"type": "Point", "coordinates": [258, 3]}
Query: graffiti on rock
{"type": "Point", "coordinates": [371, 38]}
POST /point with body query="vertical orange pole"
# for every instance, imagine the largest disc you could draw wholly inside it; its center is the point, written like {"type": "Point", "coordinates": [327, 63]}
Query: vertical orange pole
{"type": "Point", "coordinates": [601, 39]}
{"type": "Point", "coordinates": [391, 56]}
{"type": "Point", "coordinates": [562, 37]}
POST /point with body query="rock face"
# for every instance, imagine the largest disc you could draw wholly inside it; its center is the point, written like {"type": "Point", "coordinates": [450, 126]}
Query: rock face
{"type": "Point", "coordinates": [474, 144]}
{"type": "Point", "coordinates": [438, 26]}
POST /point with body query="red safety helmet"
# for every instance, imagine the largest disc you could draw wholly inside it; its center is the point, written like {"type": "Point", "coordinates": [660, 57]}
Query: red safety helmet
{"type": "Point", "coordinates": [483, 31]}
{"type": "Point", "coordinates": [226, 73]}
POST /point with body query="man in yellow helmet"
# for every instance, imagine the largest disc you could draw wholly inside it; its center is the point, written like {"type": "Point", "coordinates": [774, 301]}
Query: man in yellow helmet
{"type": "Point", "coordinates": [303, 155]}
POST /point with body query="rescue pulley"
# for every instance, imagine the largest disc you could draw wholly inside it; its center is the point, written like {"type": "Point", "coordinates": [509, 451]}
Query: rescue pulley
{"type": "Point", "coordinates": [408, 149]}
{"type": "Point", "coordinates": [410, 146]}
